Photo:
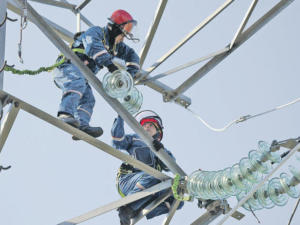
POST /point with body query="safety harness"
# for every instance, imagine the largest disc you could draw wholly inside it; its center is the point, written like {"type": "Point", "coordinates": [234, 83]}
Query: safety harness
{"type": "Point", "coordinates": [126, 168]}
{"type": "Point", "coordinates": [80, 51]}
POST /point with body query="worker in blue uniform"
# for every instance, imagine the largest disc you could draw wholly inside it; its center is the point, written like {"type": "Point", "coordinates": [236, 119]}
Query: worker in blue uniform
{"type": "Point", "coordinates": [131, 180]}
{"type": "Point", "coordinates": [96, 47]}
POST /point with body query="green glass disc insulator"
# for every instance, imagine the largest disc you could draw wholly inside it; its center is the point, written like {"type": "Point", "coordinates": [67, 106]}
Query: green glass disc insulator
{"type": "Point", "coordinates": [227, 184]}
{"type": "Point", "coordinates": [264, 148]}
{"type": "Point", "coordinates": [295, 172]}
{"type": "Point", "coordinates": [255, 160]}
{"type": "Point", "coordinates": [195, 183]}
{"type": "Point", "coordinates": [246, 205]}
{"type": "Point", "coordinates": [263, 197]}
{"type": "Point", "coordinates": [237, 178]}
{"type": "Point", "coordinates": [240, 196]}
{"type": "Point", "coordinates": [292, 191]}
{"type": "Point", "coordinates": [132, 101]}
{"type": "Point", "coordinates": [274, 191]}
{"type": "Point", "coordinates": [254, 202]}
{"type": "Point", "coordinates": [208, 191]}
{"type": "Point", "coordinates": [217, 187]}
{"type": "Point", "coordinates": [248, 171]}
{"type": "Point", "coordinates": [297, 155]}
{"type": "Point", "coordinates": [117, 84]}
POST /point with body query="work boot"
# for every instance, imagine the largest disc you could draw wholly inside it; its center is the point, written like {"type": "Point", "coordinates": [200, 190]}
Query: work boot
{"type": "Point", "coordinates": [126, 213]}
{"type": "Point", "coordinates": [93, 131]}
{"type": "Point", "coordinates": [69, 119]}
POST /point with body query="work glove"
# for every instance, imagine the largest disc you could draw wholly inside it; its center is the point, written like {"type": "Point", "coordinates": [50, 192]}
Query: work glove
{"type": "Point", "coordinates": [111, 68]}
{"type": "Point", "coordinates": [157, 145]}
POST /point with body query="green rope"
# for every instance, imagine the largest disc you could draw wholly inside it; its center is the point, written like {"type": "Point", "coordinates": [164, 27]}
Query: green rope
{"type": "Point", "coordinates": [32, 72]}
{"type": "Point", "coordinates": [175, 188]}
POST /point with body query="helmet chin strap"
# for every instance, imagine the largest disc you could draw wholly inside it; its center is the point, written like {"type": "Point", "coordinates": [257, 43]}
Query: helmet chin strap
{"type": "Point", "coordinates": [113, 31]}
{"type": "Point", "coordinates": [156, 136]}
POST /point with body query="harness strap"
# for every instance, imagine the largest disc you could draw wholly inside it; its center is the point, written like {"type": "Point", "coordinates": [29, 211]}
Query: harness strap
{"type": "Point", "coordinates": [75, 50]}
{"type": "Point", "coordinates": [127, 169]}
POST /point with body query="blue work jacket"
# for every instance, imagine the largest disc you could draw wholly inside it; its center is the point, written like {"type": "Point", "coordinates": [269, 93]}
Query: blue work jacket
{"type": "Point", "coordinates": [96, 45]}
{"type": "Point", "coordinates": [135, 146]}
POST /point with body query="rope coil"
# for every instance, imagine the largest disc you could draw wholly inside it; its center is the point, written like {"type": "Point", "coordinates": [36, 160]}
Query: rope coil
{"type": "Point", "coordinates": [31, 72]}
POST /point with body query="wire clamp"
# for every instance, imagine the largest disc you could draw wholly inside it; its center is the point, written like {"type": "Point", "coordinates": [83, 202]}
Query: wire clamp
{"type": "Point", "coordinates": [289, 143]}
{"type": "Point", "coordinates": [243, 118]}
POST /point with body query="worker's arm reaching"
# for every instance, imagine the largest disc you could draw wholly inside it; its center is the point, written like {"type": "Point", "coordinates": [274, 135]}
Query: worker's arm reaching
{"type": "Point", "coordinates": [119, 139]}
{"type": "Point", "coordinates": [131, 58]}
{"type": "Point", "coordinates": [92, 40]}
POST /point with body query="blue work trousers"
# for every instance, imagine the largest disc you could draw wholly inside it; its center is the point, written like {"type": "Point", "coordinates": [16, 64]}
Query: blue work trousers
{"type": "Point", "coordinates": [77, 97]}
{"type": "Point", "coordinates": [127, 184]}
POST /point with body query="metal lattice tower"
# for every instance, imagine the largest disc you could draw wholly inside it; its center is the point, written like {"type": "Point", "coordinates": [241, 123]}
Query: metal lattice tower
{"type": "Point", "coordinates": [57, 35]}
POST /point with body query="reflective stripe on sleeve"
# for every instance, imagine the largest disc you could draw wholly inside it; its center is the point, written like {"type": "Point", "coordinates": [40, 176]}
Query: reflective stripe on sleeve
{"type": "Point", "coordinates": [99, 53]}
{"type": "Point", "coordinates": [87, 112]}
{"type": "Point", "coordinates": [73, 91]}
{"type": "Point", "coordinates": [118, 139]}
{"type": "Point", "coordinates": [133, 64]}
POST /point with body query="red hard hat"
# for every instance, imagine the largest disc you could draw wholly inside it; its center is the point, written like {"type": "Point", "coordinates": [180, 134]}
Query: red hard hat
{"type": "Point", "coordinates": [147, 116]}
{"type": "Point", "coordinates": [121, 17]}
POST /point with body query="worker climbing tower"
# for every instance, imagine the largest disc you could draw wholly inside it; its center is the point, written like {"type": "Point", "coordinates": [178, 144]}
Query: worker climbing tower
{"type": "Point", "coordinates": [249, 181]}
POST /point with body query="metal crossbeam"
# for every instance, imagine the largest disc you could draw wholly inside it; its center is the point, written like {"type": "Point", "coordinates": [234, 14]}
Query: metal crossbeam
{"type": "Point", "coordinates": [95, 82]}
{"type": "Point", "coordinates": [207, 218]}
{"type": "Point", "coordinates": [164, 89]}
{"type": "Point", "coordinates": [62, 32]}
{"type": "Point", "coordinates": [85, 137]}
{"type": "Point", "coordinates": [189, 36]}
{"type": "Point", "coordinates": [171, 213]}
{"type": "Point", "coordinates": [244, 22]}
{"type": "Point", "coordinates": [151, 206]}
{"type": "Point", "coordinates": [8, 122]}
{"type": "Point", "coordinates": [184, 66]}
{"type": "Point", "coordinates": [149, 37]}
{"type": "Point", "coordinates": [82, 5]}
{"type": "Point", "coordinates": [82, 17]}
{"type": "Point", "coordinates": [116, 204]}
{"type": "Point", "coordinates": [56, 3]}
{"type": "Point", "coordinates": [2, 39]}
{"type": "Point", "coordinates": [240, 40]}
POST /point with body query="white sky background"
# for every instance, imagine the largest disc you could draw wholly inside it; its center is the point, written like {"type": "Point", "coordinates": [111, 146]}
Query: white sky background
{"type": "Point", "coordinates": [53, 178]}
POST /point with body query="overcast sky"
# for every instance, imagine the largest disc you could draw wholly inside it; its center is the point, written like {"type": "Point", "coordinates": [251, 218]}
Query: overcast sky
{"type": "Point", "coordinates": [53, 178]}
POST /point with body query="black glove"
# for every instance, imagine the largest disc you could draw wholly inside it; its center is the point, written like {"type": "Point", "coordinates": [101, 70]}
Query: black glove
{"type": "Point", "coordinates": [157, 145]}
{"type": "Point", "coordinates": [111, 68]}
